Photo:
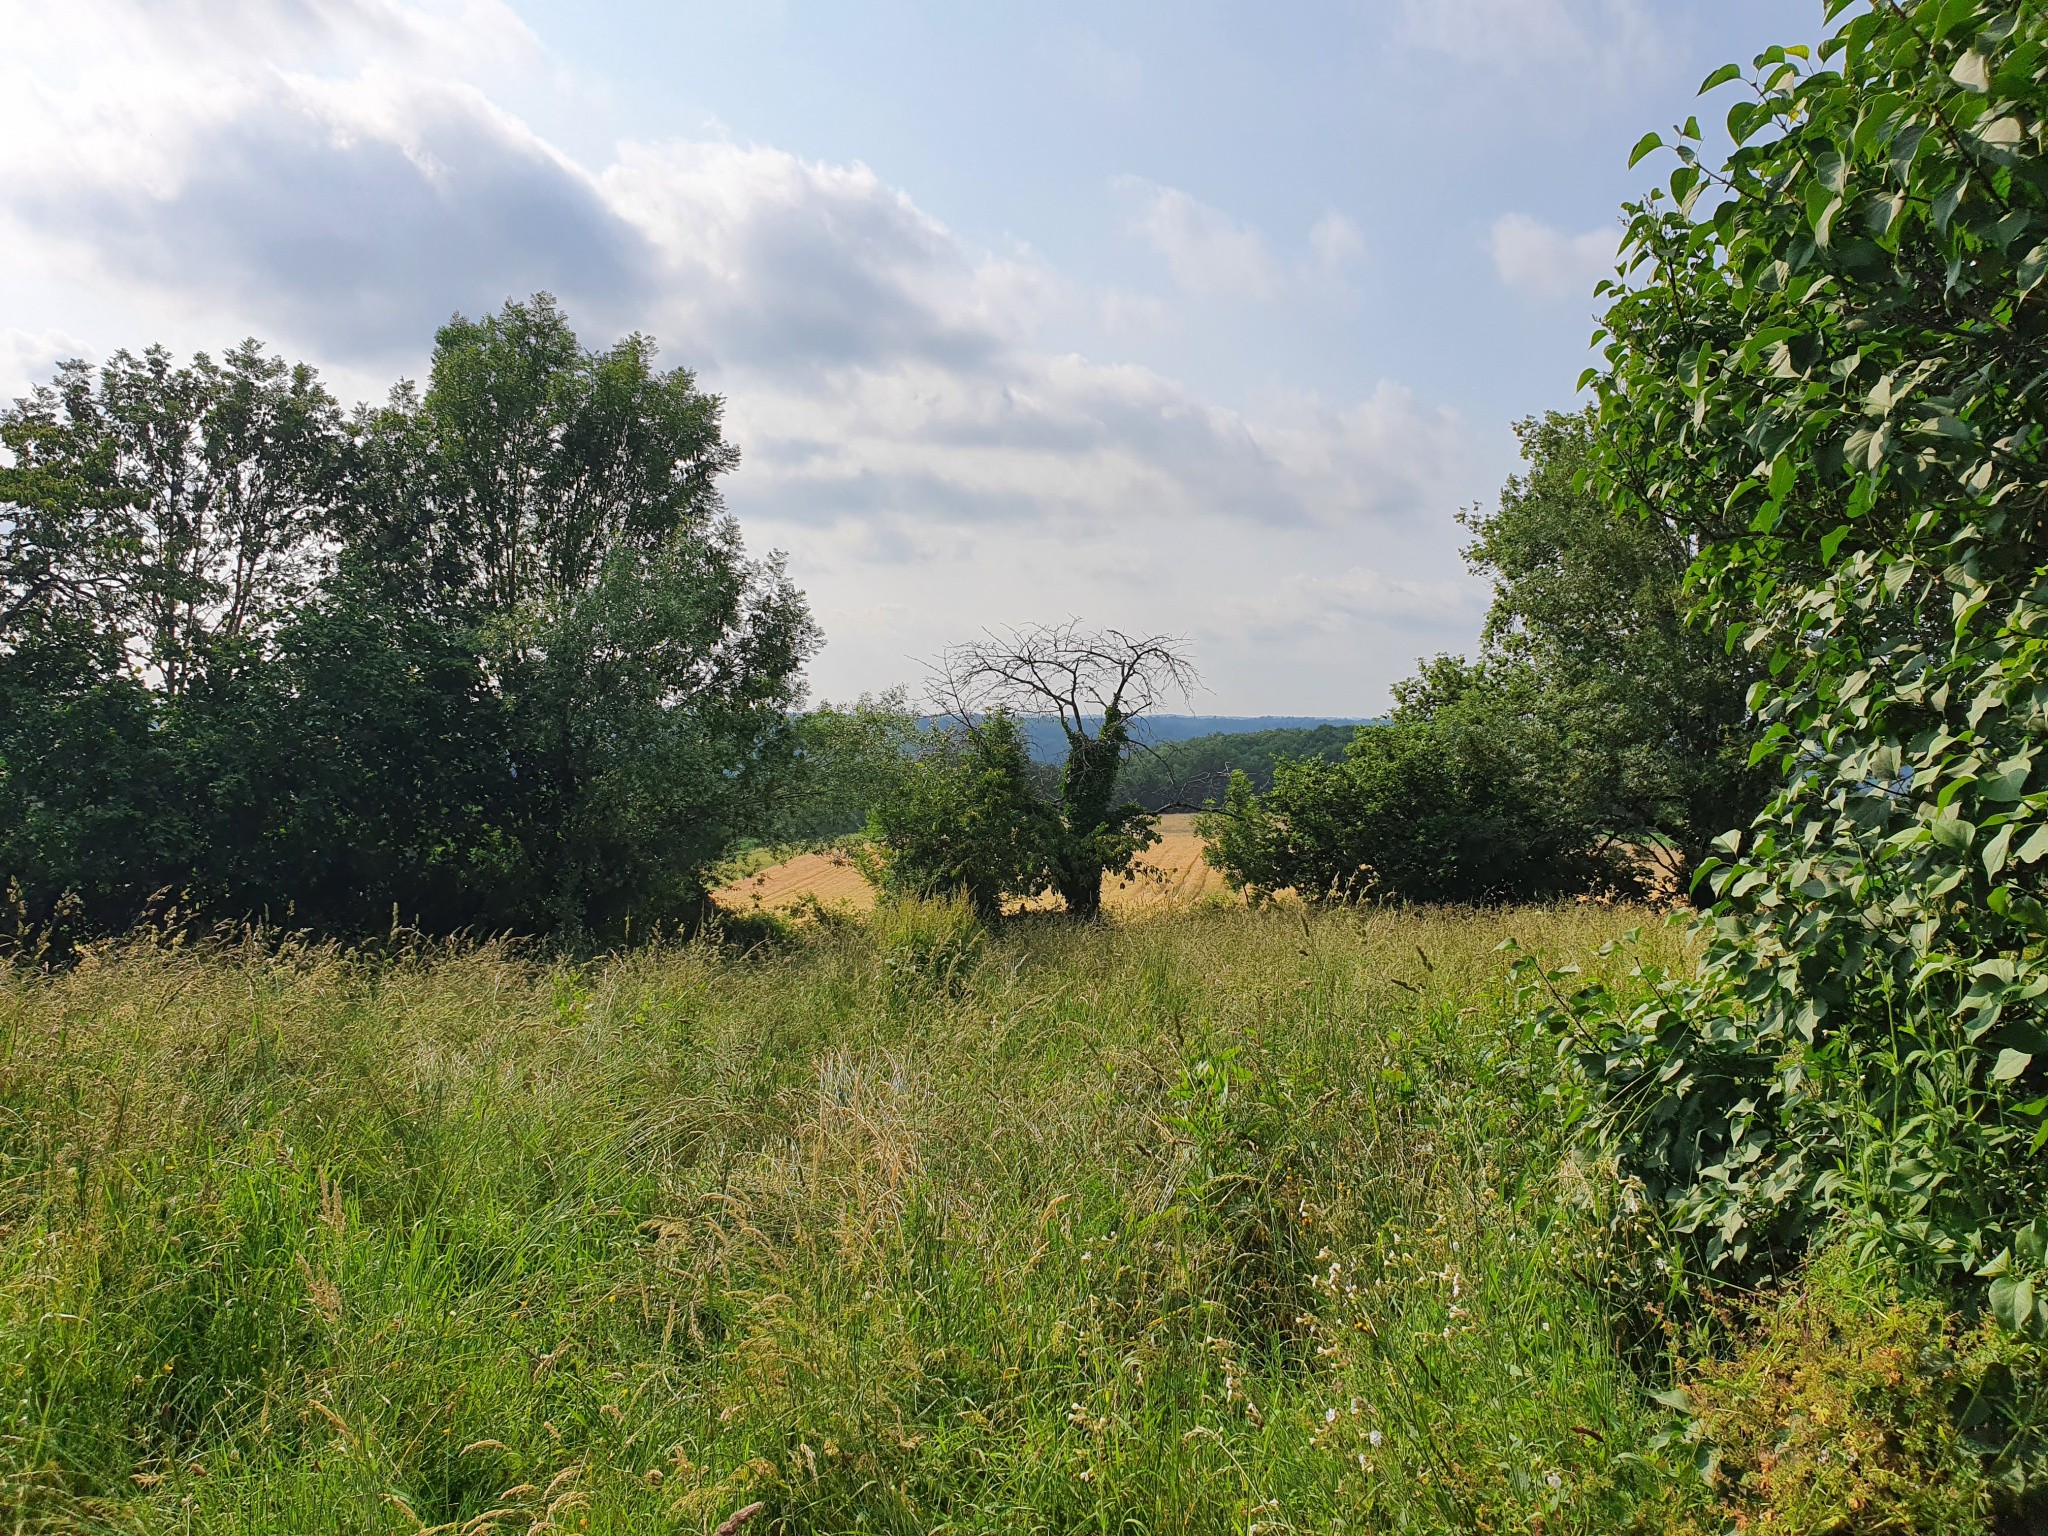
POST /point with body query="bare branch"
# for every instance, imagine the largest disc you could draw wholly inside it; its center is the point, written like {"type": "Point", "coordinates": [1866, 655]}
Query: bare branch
{"type": "Point", "coordinates": [1084, 678]}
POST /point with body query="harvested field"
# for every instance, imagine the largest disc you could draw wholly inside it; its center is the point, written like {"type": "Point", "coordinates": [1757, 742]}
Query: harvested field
{"type": "Point", "coordinates": [1170, 874]}
{"type": "Point", "coordinates": [830, 878]}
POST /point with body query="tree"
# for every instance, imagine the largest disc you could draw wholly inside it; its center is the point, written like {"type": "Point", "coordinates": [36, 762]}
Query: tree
{"type": "Point", "coordinates": [1825, 368]}
{"type": "Point", "coordinates": [1196, 772]}
{"type": "Point", "coordinates": [560, 505]}
{"type": "Point", "coordinates": [158, 526]}
{"type": "Point", "coordinates": [1447, 802]}
{"type": "Point", "coordinates": [493, 655]}
{"type": "Point", "coordinates": [848, 761]}
{"type": "Point", "coordinates": [964, 816]}
{"type": "Point", "coordinates": [186, 509]}
{"type": "Point", "coordinates": [1591, 616]}
{"type": "Point", "coordinates": [1095, 683]}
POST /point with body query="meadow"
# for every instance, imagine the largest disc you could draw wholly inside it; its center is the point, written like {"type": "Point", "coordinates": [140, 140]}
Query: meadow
{"type": "Point", "coordinates": [1225, 1220]}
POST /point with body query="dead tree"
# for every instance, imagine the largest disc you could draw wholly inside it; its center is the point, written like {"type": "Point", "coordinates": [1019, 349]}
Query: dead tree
{"type": "Point", "coordinates": [1095, 683]}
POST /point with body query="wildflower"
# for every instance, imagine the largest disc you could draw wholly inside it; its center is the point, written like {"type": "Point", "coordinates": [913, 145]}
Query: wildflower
{"type": "Point", "coordinates": [1375, 1439]}
{"type": "Point", "coordinates": [1330, 1416]}
{"type": "Point", "coordinates": [1554, 1480]}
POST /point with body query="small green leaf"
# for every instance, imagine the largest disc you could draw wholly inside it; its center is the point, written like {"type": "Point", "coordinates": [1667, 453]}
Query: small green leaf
{"type": "Point", "coordinates": [1832, 541]}
{"type": "Point", "coordinates": [1972, 72]}
{"type": "Point", "coordinates": [2011, 1064]}
{"type": "Point", "coordinates": [1675, 1398]}
{"type": "Point", "coordinates": [1721, 77]}
{"type": "Point", "coordinates": [2004, 1300]}
{"type": "Point", "coordinates": [1644, 145]}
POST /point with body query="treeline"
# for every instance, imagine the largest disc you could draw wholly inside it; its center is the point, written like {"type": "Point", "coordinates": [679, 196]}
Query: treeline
{"type": "Point", "coordinates": [1196, 772]}
{"type": "Point", "coordinates": [490, 656]}
{"type": "Point", "coordinates": [1599, 741]}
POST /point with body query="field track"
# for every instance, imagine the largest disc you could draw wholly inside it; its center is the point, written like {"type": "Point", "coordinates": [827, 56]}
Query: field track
{"type": "Point", "coordinates": [1169, 874]}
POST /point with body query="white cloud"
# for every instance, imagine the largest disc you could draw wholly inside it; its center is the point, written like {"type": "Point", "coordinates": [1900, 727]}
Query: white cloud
{"type": "Point", "coordinates": [1534, 259]}
{"type": "Point", "coordinates": [931, 463]}
{"type": "Point", "coordinates": [1613, 37]}
{"type": "Point", "coordinates": [31, 356]}
{"type": "Point", "coordinates": [1206, 250]}
{"type": "Point", "coordinates": [1335, 242]}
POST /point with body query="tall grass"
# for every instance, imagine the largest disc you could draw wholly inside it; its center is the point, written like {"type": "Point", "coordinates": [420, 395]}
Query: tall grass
{"type": "Point", "coordinates": [1220, 1222]}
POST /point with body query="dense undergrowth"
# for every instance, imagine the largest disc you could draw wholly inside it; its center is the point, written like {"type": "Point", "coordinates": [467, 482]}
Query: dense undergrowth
{"type": "Point", "coordinates": [1229, 1221]}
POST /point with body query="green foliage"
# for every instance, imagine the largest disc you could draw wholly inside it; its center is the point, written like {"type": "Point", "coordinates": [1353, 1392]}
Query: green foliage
{"type": "Point", "coordinates": [964, 816]}
{"type": "Point", "coordinates": [848, 761]}
{"type": "Point", "coordinates": [1597, 725]}
{"type": "Point", "coordinates": [1449, 801]}
{"type": "Point", "coordinates": [928, 944]}
{"type": "Point", "coordinates": [298, 1240]}
{"type": "Point", "coordinates": [1095, 833]}
{"type": "Point", "coordinates": [492, 656]}
{"type": "Point", "coordinates": [1644, 711]}
{"type": "Point", "coordinates": [1095, 683]}
{"type": "Point", "coordinates": [1196, 772]}
{"type": "Point", "coordinates": [1825, 369]}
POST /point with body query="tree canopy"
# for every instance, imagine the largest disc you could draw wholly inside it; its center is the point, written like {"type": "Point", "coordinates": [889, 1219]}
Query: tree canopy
{"type": "Point", "coordinates": [1095, 683]}
{"type": "Point", "coordinates": [489, 656]}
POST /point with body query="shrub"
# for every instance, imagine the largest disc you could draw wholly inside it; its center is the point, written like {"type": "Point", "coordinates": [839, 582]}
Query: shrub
{"type": "Point", "coordinates": [1827, 373]}
{"type": "Point", "coordinates": [964, 816]}
{"type": "Point", "coordinates": [1845, 1406]}
{"type": "Point", "coordinates": [1418, 810]}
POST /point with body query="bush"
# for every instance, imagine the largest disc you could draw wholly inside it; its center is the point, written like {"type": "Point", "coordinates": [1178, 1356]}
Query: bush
{"type": "Point", "coordinates": [964, 816]}
{"type": "Point", "coordinates": [1827, 375]}
{"type": "Point", "coordinates": [1845, 1406]}
{"type": "Point", "coordinates": [1440, 808]}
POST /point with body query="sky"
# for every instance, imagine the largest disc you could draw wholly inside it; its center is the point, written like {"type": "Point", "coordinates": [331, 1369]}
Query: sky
{"type": "Point", "coordinates": [1193, 318]}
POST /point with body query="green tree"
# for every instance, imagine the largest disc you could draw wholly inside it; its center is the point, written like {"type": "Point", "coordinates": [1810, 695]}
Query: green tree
{"type": "Point", "coordinates": [158, 527]}
{"type": "Point", "coordinates": [1825, 368]}
{"type": "Point", "coordinates": [1449, 801]}
{"type": "Point", "coordinates": [965, 816]}
{"type": "Point", "coordinates": [1590, 613]}
{"type": "Point", "coordinates": [561, 505]}
{"type": "Point", "coordinates": [848, 760]}
{"type": "Point", "coordinates": [491, 656]}
{"type": "Point", "coordinates": [1184, 775]}
{"type": "Point", "coordinates": [1095, 683]}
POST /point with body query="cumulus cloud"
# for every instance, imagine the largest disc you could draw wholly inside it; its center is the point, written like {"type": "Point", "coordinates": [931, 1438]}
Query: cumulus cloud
{"type": "Point", "coordinates": [1534, 259]}
{"type": "Point", "coordinates": [1207, 251]}
{"type": "Point", "coordinates": [770, 260]}
{"type": "Point", "coordinates": [932, 464]}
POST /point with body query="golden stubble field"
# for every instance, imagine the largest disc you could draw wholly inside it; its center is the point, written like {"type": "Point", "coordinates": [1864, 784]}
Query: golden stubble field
{"type": "Point", "coordinates": [1170, 874]}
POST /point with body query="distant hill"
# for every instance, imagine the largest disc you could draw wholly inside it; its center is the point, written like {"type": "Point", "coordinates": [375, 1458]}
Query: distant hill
{"type": "Point", "coordinates": [1049, 744]}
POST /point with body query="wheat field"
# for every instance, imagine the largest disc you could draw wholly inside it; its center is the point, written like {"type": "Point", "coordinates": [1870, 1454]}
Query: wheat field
{"type": "Point", "coordinates": [1169, 875]}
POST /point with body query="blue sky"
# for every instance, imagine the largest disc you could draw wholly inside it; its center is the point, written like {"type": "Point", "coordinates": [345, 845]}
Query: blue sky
{"type": "Point", "coordinates": [1201, 318]}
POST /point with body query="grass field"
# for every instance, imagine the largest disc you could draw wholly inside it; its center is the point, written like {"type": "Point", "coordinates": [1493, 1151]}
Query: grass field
{"type": "Point", "coordinates": [1228, 1221]}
